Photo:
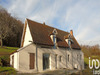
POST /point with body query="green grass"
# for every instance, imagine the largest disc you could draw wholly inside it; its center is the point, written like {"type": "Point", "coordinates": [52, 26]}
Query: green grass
{"type": "Point", "coordinates": [7, 50]}
{"type": "Point", "coordinates": [4, 54]}
{"type": "Point", "coordinates": [86, 60]}
{"type": "Point", "coordinates": [7, 70]}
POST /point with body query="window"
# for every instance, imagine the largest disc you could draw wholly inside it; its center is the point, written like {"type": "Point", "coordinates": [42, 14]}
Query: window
{"type": "Point", "coordinates": [46, 61]}
{"type": "Point", "coordinates": [60, 57]}
{"type": "Point", "coordinates": [68, 57]}
{"type": "Point", "coordinates": [69, 42]}
{"type": "Point", "coordinates": [54, 37]}
{"type": "Point", "coordinates": [80, 57]}
{"type": "Point", "coordinates": [77, 57]}
{"type": "Point", "coordinates": [54, 40]}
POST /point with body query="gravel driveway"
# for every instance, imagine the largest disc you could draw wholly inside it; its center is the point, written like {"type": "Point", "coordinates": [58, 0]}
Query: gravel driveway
{"type": "Point", "coordinates": [55, 72]}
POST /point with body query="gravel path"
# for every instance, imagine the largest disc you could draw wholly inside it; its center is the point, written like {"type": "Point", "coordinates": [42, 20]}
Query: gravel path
{"type": "Point", "coordinates": [55, 72]}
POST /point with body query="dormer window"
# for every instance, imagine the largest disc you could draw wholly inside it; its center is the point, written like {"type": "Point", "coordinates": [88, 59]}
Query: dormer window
{"type": "Point", "coordinates": [68, 38]}
{"type": "Point", "coordinates": [53, 37]}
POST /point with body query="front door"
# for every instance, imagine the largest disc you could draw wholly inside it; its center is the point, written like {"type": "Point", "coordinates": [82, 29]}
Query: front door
{"type": "Point", "coordinates": [46, 61]}
{"type": "Point", "coordinates": [32, 60]}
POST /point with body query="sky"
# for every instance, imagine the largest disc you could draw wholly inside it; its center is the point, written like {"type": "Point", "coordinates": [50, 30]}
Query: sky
{"type": "Point", "coordinates": [81, 16]}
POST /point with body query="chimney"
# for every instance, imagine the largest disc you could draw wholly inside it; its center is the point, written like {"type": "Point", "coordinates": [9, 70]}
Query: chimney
{"type": "Point", "coordinates": [43, 23]}
{"type": "Point", "coordinates": [71, 32]}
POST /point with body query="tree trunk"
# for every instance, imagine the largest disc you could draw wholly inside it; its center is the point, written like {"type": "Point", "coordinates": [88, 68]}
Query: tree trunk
{"type": "Point", "coordinates": [1, 42]}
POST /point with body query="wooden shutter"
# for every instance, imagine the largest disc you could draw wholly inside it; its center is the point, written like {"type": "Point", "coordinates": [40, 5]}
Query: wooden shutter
{"type": "Point", "coordinates": [32, 60]}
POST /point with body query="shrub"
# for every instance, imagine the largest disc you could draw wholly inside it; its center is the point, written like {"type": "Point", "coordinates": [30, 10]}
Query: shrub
{"type": "Point", "coordinates": [4, 60]}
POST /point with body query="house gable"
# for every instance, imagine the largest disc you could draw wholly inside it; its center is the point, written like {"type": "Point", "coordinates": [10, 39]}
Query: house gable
{"type": "Point", "coordinates": [26, 37]}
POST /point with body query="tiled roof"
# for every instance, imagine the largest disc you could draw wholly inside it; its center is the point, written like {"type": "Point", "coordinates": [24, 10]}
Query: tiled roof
{"type": "Point", "coordinates": [41, 35]}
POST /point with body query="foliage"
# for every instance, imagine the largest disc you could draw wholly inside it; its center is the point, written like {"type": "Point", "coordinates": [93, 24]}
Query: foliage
{"type": "Point", "coordinates": [5, 60]}
{"type": "Point", "coordinates": [90, 50]}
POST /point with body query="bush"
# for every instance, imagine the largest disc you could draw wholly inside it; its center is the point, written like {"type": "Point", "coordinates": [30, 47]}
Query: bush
{"type": "Point", "coordinates": [4, 60]}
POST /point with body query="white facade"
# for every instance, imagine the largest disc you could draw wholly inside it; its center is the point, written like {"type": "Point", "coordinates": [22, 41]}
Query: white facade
{"type": "Point", "coordinates": [23, 63]}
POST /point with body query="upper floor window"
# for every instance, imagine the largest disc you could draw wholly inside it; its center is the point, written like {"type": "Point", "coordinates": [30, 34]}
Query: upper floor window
{"type": "Point", "coordinates": [69, 40]}
{"type": "Point", "coordinates": [60, 58]}
{"type": "Point", "coordinates": [53, 37]}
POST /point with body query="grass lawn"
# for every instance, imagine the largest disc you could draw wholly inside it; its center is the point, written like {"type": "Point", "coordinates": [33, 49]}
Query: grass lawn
{"type": "Point", "coordinates": [7, 71]}
{"type": "Point", "coordinates": [86, 60]}
{"type": "Point", "coordinates": [4, 54]}
{"type": "Point", "coordinates": [7, 50]}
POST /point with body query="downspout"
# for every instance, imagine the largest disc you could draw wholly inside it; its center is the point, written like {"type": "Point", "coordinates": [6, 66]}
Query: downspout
{"type": "Point", "coordinates": [72, 58]}
{"type": "Point", "coordinates": [36, 57]}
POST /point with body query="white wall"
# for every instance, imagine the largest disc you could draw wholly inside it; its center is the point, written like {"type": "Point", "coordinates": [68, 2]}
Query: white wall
{"type": "Point", "coordinates": [24, 60]}
{"type": "Point", "coordinates": [74, 60]}
{"type": "Point", "coordinates": [52, 53]}
{"type": "Point", "coordinates": [28, 37]}
{"type": "Point", "coordinates": [16, 60]}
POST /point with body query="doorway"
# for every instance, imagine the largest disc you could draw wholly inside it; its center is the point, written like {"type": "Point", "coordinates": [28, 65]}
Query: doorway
{"type": "Point", "coordinates": [13, 61]}
{"type": "Point", "coordinates": [32, 60]}
{"type": "Point", "coordinates": [46, 61]}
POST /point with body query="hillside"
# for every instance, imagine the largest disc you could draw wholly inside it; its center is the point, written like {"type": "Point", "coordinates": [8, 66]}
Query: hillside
{"type": "Point", "coordinates": [90, 51]}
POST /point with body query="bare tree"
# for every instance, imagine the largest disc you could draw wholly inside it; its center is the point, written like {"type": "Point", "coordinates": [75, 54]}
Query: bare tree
{"type": "Point", "coordinates": [10, 29]}
{"type": "Point", "coordinates": [5, 30]}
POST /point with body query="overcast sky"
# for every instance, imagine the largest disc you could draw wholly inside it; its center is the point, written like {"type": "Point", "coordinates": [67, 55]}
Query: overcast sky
{"type": "Point", "coordinates": [82, 16]}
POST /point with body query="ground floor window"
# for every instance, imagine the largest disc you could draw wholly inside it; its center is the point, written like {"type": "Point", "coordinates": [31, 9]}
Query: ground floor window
{"type": "Point", "coordinates": [68, 57]}
{"type": "Point", "coordinates": [80, 57]}
{"type": "Point", "coordinates": [60, 58]}
{"type": "Point", "coordinates": [46, 61]}
{"type": "Point", "coordinates": [77, 57]}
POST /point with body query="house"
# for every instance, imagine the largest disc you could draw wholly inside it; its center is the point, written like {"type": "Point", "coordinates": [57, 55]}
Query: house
{"type": "Point", "coordinates": [46, 48]}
